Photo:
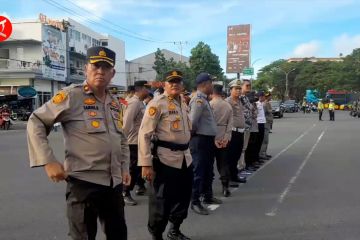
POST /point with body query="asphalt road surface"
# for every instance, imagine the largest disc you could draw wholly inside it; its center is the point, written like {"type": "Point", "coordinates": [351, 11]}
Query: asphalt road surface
{"type": "Point", "coordinates": [309, 190]}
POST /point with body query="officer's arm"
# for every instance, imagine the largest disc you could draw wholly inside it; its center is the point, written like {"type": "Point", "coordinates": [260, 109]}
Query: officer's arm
{"type": "Point", "coordinates": [147, 129]}
{"type": "Point", "coordinates": [129, 117]}
{"type": "Point", "coordinates": [39, 126]}
{"type": "Point", "coordinates": [196, 108]}
{"type": "Point", "coordinates": [125, 154]}
{"type": "Point", "coordinates": [229, 126]}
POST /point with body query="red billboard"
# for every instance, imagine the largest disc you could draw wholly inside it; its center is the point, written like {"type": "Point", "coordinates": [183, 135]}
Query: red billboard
{"type": "Point", "coordinates": [238, 48]}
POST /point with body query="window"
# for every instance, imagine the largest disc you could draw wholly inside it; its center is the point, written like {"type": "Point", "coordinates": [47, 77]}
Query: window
{"type": "Point", "coordinates": [141, 69]}
{"type": "Point", "coordinates": [43, 97]}
{"type": "Point", "coordinates": [104, 44]}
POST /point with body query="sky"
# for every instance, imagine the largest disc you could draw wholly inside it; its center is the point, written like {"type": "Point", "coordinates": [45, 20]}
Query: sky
{"type": "Point", "coordinates": [280, 28]}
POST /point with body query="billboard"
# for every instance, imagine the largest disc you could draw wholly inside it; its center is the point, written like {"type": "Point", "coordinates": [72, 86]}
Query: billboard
{"type": "Point", "coordinates": [238, 48]}
{"type": "Point", "coordinates": [54, 53]}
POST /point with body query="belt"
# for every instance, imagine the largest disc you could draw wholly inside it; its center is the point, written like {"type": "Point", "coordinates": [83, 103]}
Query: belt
{"type": "Point", "coordinates": [173, 146]}
{"type": "Point", "coordinates": [241, 130]}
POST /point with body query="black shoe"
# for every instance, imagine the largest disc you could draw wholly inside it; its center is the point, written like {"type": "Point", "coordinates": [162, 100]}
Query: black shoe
{"type": "Point", "coordinates": [140, 191]}
{"type": "Point", "coordinates": [251, 169]}
{"type": "Point", "coordinates": [176, 235]}
{"type": "Point", "coordinates": [233, 184]}
{"type": "Point", "coordinates": [129, 200]}
{"type": "Point", "coordinates": [212, 201]}
{"type": "Point", "coordinates": [226, 192]}
{"type": "Point", "coordinates": [157, 238]}
{"type": "Point", "coordinates": [239, 180]}
{"type": "Point", "coordinates": [199, 209]}
{"type": "Point", "coordinates": [263, 158]}
{"type": "Point", "coordinates": [268, 156]}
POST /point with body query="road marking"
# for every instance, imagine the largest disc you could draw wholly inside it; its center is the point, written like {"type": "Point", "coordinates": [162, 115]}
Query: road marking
{"type": "Point", "coordinates": [282, 151]}
{"type": "Point", "coordinates": [282, 196]}
{"type": "Point", "coordinates": [213, 207]}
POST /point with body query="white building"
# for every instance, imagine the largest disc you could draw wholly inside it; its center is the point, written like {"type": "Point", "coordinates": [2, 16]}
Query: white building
{"type": "Point", "coordinates": [36, 57]}
{"type": "Point", "coordinates": [142, 68]}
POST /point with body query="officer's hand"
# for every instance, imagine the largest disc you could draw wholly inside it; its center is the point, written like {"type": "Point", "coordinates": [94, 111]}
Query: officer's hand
{"type": "Point", "coordinates": [147, 173]}
{"type": "Point", "coordinates": [126, 178]}
{"type": "Point", "coordinates": [218, 144]}
{"type": "Point", "coordinates": [225, 143]}
{"type": "Point", "coordinates": [55, 171]}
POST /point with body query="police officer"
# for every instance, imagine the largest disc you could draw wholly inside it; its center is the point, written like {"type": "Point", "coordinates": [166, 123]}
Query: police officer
{"type": "Point", "coordinates": [320, 109]}
{"type": "Point", "coordinates": [202, 144]}
{"type": "Point", "coordinates": [238, 128]}
{"type": "Point", "coordinates": [223, 116]}
{"type": "Point", "coordinates": [130, 92]}
{"type": "Point", "coordinates": [168, 164]}
{"type": "Point", "coordinates": [132, 119]}
{"type": "Point", "coordinates": [332, 110]}
{"type": "Point", "coordinates": [97, 155]}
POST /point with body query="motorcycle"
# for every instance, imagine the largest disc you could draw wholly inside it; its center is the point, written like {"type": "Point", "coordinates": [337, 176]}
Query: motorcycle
{"type": "Point", "coordinates": [5, 121]}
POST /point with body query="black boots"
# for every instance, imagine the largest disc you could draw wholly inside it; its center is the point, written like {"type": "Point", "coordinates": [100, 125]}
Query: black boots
{"type": "Point", "coordinates": [175, 234]}
{"type": "Point", "coordinates": [225, 189]}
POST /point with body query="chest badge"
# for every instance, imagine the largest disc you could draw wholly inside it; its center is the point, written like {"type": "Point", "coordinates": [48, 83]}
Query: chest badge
{"type": "Point", "coordinates": [95, 124]}
{"type": "Point", "coordinates": [172, 107]}
{"type": "Point", "coordinates": [89, 101]}
{"type": "Point", "coordinates": [92, 114]}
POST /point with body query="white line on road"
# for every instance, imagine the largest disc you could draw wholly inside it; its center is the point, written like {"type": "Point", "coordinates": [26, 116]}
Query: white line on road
{"type": "Point", "coordinates": [282, 151]}
{"type": "Point", "coordinates": [282, 196]}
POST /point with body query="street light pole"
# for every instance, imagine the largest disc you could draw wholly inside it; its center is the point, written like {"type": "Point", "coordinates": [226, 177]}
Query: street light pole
{"type": "Point", "coordinates": [286, 80]}
{"type": "Point", "coordinates": [252, 66]}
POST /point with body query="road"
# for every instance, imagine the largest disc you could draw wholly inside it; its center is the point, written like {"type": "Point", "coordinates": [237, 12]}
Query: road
{"type": "Point", "coordinates": [309, 190]}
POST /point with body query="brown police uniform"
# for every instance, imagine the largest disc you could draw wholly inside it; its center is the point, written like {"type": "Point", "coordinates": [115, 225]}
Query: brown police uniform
{"type": "Point", "coordinates": [96, 156]}
{"type": "Point", "coordinates": [223, 115]}
{"type": "Point", "coordinates": [132, 120]}
{"type": "Point", "coordinates": [167, 124]}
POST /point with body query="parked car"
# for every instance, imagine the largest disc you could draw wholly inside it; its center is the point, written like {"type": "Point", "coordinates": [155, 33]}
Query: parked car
{"type": "Point", "coordinates": [277, 109]}
{"type": "Point", "coordinates": [291, 106]}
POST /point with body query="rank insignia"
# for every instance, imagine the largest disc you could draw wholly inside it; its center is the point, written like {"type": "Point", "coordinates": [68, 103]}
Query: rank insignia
{"type": "Point", "coordinates": [86, 88]}
{"type": "Point", "coordinates": [89, 101]}
{"type": "Point", "coordinates": [199, 101]}
{"type": "Point", "coordinates": [152, 111]}
{"type": "Point", "coordinates": [113, 103]}
{"type": "Point", "coordinates": [92, 114]}
{"type": "Point", "coordinates": [95, 124]}
{"type": "Point", "coordinates": [172, 106]}
{"type": "Point", "coordinates": [59, 97]}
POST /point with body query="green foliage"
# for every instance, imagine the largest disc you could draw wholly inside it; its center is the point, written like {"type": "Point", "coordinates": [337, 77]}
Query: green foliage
{"type": "Point", "coordinates": [320, 76]}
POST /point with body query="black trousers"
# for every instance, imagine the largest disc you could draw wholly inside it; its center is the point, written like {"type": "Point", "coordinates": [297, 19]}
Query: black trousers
{"type": "Point", "coordinates": [250, 153]}
{"type": "Point", "coordinates": [222, 164]}
{"type": "Point", "coordinates": [87, 202]}
{"type": "Point", "coordinates": [169, 197]}
{"type": "Point", "coordinates": [234, 153]}
{"type": "Point", "coordinates": [259, 140]}
{"type": "Point", "coordinates": [320, 114]}
{"type": "Point", "coordinates": [332, 115]}
{"type": "Point", "coordinates": [203, 153]}
{"type": "Point", "coordinates": [135, 170]}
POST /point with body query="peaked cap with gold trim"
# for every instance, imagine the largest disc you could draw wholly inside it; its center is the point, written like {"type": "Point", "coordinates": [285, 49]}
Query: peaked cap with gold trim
{"type": "Point", "coordinates": [101, 54]}
{"type": "Point", "coordinates": [173, 75]}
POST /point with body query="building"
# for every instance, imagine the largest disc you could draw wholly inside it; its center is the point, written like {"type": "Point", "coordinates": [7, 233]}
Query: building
{"type": "Point", "coordinates": [315, 59]}
{"type": "Point", "coordinates": [142, 68]}
{"type": "Point", "coordinates": [37, 57]}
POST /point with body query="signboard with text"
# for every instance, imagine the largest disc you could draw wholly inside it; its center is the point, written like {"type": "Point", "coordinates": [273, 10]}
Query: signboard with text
{"type": "Point", "coordinates": [238, 48]}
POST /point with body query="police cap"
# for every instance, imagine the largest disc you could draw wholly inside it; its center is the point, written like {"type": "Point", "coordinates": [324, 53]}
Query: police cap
{"type": "Point", "coordinates": [101, 54]}
{"type": "Point", "coordinates": [203, 77]}
{"type": "Point", "coordinates": [235, 83]}
{"type": "Point", "coordinates": [173, 75]}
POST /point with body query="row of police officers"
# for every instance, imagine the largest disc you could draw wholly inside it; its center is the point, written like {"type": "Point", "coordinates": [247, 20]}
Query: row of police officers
{"type": "Point", "coordinates": [113, 145]}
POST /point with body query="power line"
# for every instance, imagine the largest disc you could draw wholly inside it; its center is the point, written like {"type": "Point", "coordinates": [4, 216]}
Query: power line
{"type": "Point", "coordinates": [116, 25]}
{"type": "Point", "coordinates": [70, 11]}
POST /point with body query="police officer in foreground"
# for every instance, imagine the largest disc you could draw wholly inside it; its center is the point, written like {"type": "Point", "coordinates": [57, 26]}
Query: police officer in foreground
{"type": "Point", "coordinates": [223, 114]}
{"type": "Point", "coordinates": [97, 155]}
{"type": "Point", "coordinates": [204, 130]}
{"type": "Point", "coordinates": [268, 125]}
{"type": "Point", "coordinates": [168, 164]}
{"type": "Point", "coordinates": [132, 119]}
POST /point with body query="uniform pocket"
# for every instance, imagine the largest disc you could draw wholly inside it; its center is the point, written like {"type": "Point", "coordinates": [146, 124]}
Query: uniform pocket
{"type": "Point", "coordinates": [94, 121]}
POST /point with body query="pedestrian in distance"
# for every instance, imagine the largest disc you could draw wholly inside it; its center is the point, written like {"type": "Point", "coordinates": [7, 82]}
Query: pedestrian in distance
{"type": "Point", "coordinates": [96, 163]}
{"type": "Point", "coordinates": [332, 110]}
{"type": "Point", "coordinates": [320, 109]}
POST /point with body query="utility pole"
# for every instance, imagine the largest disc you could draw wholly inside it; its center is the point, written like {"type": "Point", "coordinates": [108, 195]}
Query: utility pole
{"type": "Point", "coordinates": [181, 43]}
{"type": "Point", "coordinates": [286, 80]}
{"type": "Point", "coordinates": [66, 25]}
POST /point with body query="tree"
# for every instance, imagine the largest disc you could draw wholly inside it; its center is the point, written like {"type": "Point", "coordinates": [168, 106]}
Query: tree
{"type": "Point", "coordinates": [160, 64]}
{"type": "Point", "coordinates": [203, 60]}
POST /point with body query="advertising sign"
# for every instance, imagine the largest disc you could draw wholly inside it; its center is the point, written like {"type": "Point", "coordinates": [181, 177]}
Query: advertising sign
{"type": "Point", "coordinates": [238, 48]}
{"type": "Point", "coordinates": [54, 53]}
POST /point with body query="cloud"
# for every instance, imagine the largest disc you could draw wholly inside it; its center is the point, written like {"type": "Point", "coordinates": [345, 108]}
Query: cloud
{"type": "Point", "coordinates": [345, 44]}
{"type": "Point", "coordinates": [99, 8]}
{"type": "Point", "coordinates": [308, 49]}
